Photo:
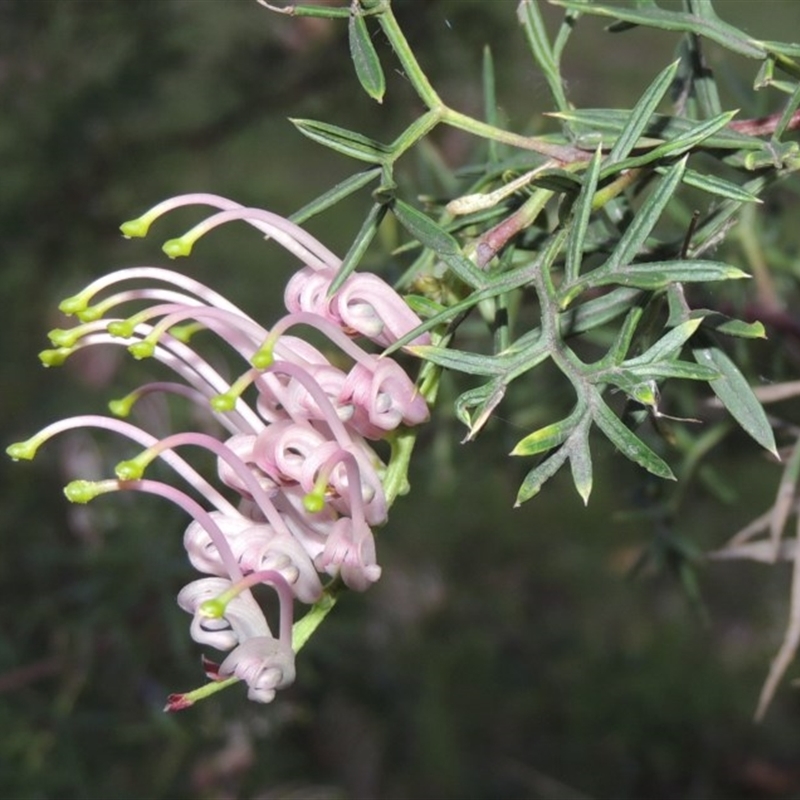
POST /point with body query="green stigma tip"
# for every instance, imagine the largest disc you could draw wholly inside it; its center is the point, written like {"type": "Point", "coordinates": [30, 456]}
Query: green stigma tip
{"type": "Point", "coordinates": [223, 402]}
{"type": "Point", "coordinates": [263, 359]}
{"type": "Point", "coordinates": [183, 333]}
{"type": "Point", "coordinates": [90, 314]}
{"type": "Point", "coordinates": [72, 305]}
{"type": "Point", "coordinates": [175, 248]}
{"type": "Point", "coordinates": [81, 491]}
{"type": "Point", "coordinates": [61, 337]}
{"type": "Point", "coordinates": [120, 328]}
{"type": "Point", "coordinates": [54, 358]}
{"type": "Point", "coordinates": [24, 451]}
{"type": "Point", "coordinates": [130, 470]}
{"type": "Point", "coordinates": [143, 349]}
{"type": "Point", "coordinates": [135, 228]}
{"type": "Point", "coordinates": [314, 502]}
{"type": "Point", "coordinates": [212, 609]}
{"type": "Point", "coordinates": [123, 406]}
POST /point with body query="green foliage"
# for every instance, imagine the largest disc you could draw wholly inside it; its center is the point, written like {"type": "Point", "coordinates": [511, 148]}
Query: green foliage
{"type": "Point", "coordinates": [570, 247]}
{"type": "Point", "coordinates": [576, 301]}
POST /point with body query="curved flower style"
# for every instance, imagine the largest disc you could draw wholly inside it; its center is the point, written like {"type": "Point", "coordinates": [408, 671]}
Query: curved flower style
{"type": "Point", "coordinates": [297, 454]}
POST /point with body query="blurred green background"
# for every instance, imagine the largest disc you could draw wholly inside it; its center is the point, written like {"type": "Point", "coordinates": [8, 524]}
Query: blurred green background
{"type": "Point", "coordinates": [504, 654]}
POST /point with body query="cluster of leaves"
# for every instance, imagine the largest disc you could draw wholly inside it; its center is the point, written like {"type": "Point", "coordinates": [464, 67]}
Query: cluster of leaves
{"type": "Point", "coordinates": [580, 248]}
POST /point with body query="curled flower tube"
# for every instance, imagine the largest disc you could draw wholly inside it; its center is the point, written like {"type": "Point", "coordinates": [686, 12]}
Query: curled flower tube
{"type": "Point", "coordinates": [258, 547]}
{"type": "Point", "coordinates": [350, 552]}
{"type": "Point", "coordinates": [402, 400]}
{"type": "Point", "coordinates": [298, 485]}
{"type": "Point", "coordinates": [384, 398]}
{"type": "Point", "coordinates": [241, 620]}
{"type": "Point", "coordinates": [241, 445]}
{"type": "Point", "coordinates": [226, 619]}
{"type": "Point", "coordinates": [365, 304]}
{"type": "Point", "coordinates": [264, 664]}
{"type": "Point", "coordinates": [292, 453]}
{"type": "Point", "coordinates": [201, 547]}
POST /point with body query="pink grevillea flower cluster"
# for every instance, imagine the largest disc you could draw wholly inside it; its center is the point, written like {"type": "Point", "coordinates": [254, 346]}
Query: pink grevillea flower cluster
{"type": "Point", "coordinates": [296, 456]}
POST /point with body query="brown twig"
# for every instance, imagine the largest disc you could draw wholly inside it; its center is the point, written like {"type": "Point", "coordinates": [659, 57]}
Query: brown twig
{"type": "Point", "coordinates": [764, 126]}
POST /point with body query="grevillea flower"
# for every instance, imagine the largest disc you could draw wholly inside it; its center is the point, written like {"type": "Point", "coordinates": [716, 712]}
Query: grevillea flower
{"type": "Point", "coordinates": [296, 455]}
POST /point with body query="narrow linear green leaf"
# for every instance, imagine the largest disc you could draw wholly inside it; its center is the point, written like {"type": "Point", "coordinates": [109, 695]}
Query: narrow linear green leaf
{"type": "Point", "coordinates": [735, 394]}
{"type": "Point", "coordinates": [667, 345]}
{"type": "Point", "coordinates": [720, 222]}
{"type": "Point", "coordinates": [360, 244]}
{"type": "Point", "coordinates": [654, 17]}
{"type": "Point", "coordinates": [537, 477]}
{"type": "Point", "coordinates": [580, 462]}
{"type": "Point", "coordinates": [783, 48]}
{"type": "Point", "coordinates": [787, 114]}
{"type": "Point", "coordinates": [742, 329]}
{"type": "Point", "coordinates": [532, 23]}
{"type": "Point", "coordinates": [627, 442]}
{"type": "Point", "coordinates": [643, 223]}
{"type": "Point", "coordinates": [684, 370]}
{"type": "Point", "coordinates": [728, 325]}
{"type": "Point", "coordinates": [624, 337]}
{"type": "Point", "coordinates": [692, 138]}
{"type": "Point", "coordinates": [657, 274]}
{"type": "Point", "coordinates": [490, 102]}
{"type": "Point", "coordinates": [697, 77]}
{"type": "Point", "coordinates": [717, 186]}
{"type": "Point", "coordinates": [660, 129]}
{"type": "Point", "coordinates": [548, 437]}
{"type": "Point", "coordinates": [564, 32]}
{"type": "Point", "coordinates": [423, 306]}
{"type": "Point", "coordinates": [462, 360]}
{"type": "Point", "coordinates": [641, 113]}
{"type": "Point", "coordinates": [433, 236]}
{"type": "Point", "coordinates": [344, 189]}
{"type": "Point", "coordinates": [596, 312]}
{"type": "Point", "coordinates": [365, 58]}
{"type": "Point", "coordinates": [343, 141]}
{"type": "Point", "coordinates": [581, 215]}
{"type": "Point", "coordinates": [542, 440]}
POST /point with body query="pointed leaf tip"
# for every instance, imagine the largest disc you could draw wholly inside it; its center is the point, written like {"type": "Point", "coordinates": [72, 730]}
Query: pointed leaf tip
{"type": "Point", "coordinates": [735, 394]}
{"type": "Point", "coordinates": [365, 59]}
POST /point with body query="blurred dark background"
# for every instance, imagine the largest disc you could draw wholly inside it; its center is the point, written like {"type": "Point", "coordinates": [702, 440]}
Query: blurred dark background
{"type": "Point", "coordinates": [504, 654]}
